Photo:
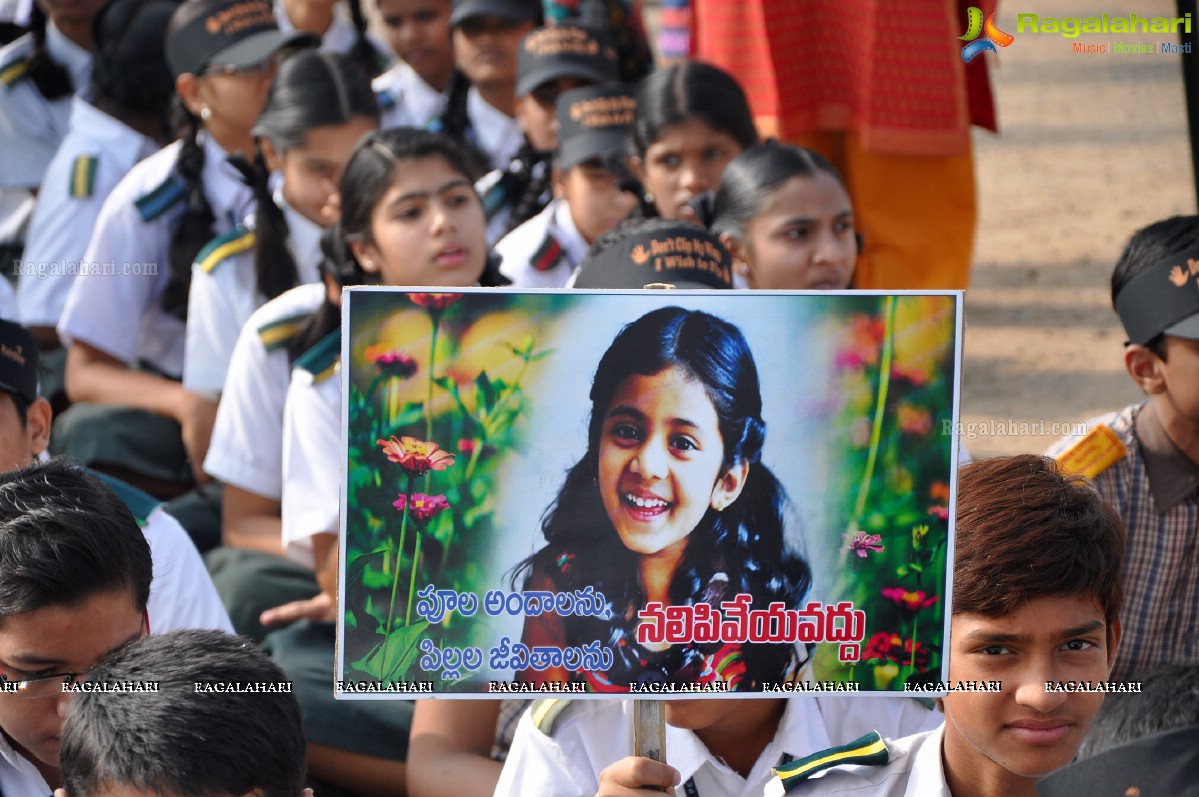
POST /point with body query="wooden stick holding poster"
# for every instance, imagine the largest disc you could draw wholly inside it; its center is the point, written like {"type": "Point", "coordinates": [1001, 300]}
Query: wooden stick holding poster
{"type": "Point", "coordinates": [650, 493]}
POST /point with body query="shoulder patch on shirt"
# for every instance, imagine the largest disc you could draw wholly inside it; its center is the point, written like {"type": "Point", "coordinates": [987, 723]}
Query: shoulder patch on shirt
{"type": "Point", "coordinates": [139, 503]}
{"type": "Point", "coordinates": [277, 334]}
{"type": "Point", "coordinates": [385, 100]}
{"type": "Point", "coordinates": [83, 176]}
{"type": "Point", "coordinates": [13, 71]}
{"type": "Point", "coordinates": [1093, 453]}
{"type": "Point", "coordinates": [321, 359]}
{"type": "Point", "coordinates": [546, 712]}
{"type": "Point", "coordinates": [547, 255]}
{"type": "Point", "coordinates": [869, 749]}
{"type": "Point", "coordinates": [495, 197]}
{"type": "Point", "coordinates": [223, 247]}
{"type": "Point", "coordinates": [153, 204]}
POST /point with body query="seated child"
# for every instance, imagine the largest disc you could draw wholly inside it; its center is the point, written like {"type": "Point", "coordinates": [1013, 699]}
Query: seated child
{"type": "Point", "coordinates": [590, 196]}
{"type": "Point", "coordinates": [1036, 600]}
{"type": "Point", "coordinates": [1145, 458]}
{"type": "Point", "coordinates": [183, 740]}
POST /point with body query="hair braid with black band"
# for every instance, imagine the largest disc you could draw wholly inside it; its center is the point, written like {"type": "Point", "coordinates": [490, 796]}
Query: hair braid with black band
{"type": "Point", "coordinates": [455, 122]}
{"type": "Point", "coordinates": [742, 549]}
{"type": "Point", "coordinates": [363, 52]}
{"type": "Point", "coordinates": [194, 229]}
{"type": "Point", "coordinates": [50, 77]}
{"type": "Point", "coordinates": [530, 179]}
{"type": "Point", "coordinates": [274, 265]}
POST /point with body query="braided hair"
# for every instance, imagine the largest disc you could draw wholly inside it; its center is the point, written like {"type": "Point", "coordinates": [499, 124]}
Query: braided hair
{"type": "Point", "coordinates": [363, 52]}
{"type": "Point", "coordinates": [194, 229]}
{"type": "Point", "coordinates": [313, 89]}
{"type": "Point", "coordinates": [50, 77]}
{"type": "Point", "coordinates": [527, 183]}
{"type": "Point", "coordinates": [740, 550]}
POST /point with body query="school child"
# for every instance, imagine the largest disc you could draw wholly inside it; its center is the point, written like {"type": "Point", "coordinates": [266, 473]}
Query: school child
{"type": "Point", "coordinates": [692, 119]}
{"type": "Point", "coordinates": [319, 107]}
{"type": "Point", "coordinates": [1145, 458]}
{"type": "Point", "coordinates": [39, 73]}
{"type": "Point", "coordinates": [220, 693]}
{"type": "Point", "coordinates": [723, 746]}
{"type": "Point", "coordinates": [550, 61]}
{"type": "Point", "coordinates": [124, 120]}
{"type": "Point", "coordinates": [431, 235]}
{"type": "Point", "coordinates": [124, 323]}
{"type": "Point", "coordinates": [413, 92]}
{"type": "Point", "coordinates": [1036, 603]}
{"type": "Point", "coordinates": [342, 28]}
{"type": "Point", "coordinates": [246, 455]}
{"type": "Point", "coordinates": [79, 576]}
{"type": "Point", "coordinates": [785, 216]}
{"type": "Point", "coordinates": [481, 106]}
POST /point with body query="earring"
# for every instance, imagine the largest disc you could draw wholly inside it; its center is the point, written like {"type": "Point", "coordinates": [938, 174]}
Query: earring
{"type": "Point", "coordinates": [368, 265]}
{"type": "Point", "coordinates": [742, 267]}
{"type": "Point", "coordinates": [205, 113]}
{"type": "Point", "coordinates": [649, 197]}
{"type": "Point", "coordinates": [719, 505]}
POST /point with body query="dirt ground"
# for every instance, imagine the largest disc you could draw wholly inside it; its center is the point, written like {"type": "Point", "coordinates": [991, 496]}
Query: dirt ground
{"type": "Point", "coordinates": [1091, 147]}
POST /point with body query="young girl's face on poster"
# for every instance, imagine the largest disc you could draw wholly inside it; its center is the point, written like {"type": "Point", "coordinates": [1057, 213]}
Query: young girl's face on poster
{"type": "Point", "coordinates": [803, 237]}
{"type": "Point", "coordinates": [661, 459]}
{"type": "Point", "coordinates": [428, 228]}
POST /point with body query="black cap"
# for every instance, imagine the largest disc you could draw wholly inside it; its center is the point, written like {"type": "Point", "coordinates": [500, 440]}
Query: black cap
{"type": "Point", "coordinates": [519, 10]}
{"type": "Point", "coordinates": [18, 361]}
{"type": "Point", "coordinates": [230, 32]}
{"type": "Point", "coordinates": [1163, 298]}
{"type": "Point", "coordinates": [594, 122]}
{"type": "Point", "coordinates": [547, 54]}
{"type": "Point", "coordinates": [1152, 766]}
{"type": "Point", "coordinates": [681, 255]}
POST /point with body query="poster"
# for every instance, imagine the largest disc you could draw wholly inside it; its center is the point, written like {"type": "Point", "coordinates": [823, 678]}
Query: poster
{"type": "Point", "coordinates": [651, 492]}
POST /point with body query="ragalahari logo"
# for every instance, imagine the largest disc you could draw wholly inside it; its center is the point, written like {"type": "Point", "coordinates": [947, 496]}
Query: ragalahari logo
{"type": "Point", "coordinates": [991, 35]}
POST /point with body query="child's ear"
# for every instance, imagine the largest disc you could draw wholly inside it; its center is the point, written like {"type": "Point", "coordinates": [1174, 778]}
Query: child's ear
{"type": "Point", "coordinates": [1145, 368]}
{"type": "Point", "coordinates": [729, 486]}
{"type": "Point", "coordinates": [736, 250]}
{"type": "Point", "coordinates": [1113, 642]}
{"type": "Point", "coordinates": [187, 86]}
{"type": "Point", "coordinates": [637, 168]}
{"type": "Point", "coordinates": [558, 182]}
{"type": "Point", "coordinates": [367, 256]}
{"type": "Point", "coordinates": [274, 161]}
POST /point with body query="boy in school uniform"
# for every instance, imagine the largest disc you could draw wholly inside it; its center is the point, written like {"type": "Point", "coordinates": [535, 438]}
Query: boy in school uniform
{"type": "Point", "coordinates": [1036, 603]}
{"type": "Point", "coordinates": [222, 721]}
{"type": "Point", "coordinates": [1145, 458]}
{"type": "Point", "coordinates": [589, 189]}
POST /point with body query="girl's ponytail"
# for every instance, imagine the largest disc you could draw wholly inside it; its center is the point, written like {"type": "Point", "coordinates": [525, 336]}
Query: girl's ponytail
{"type": "Point", "coordinates": [51, 78]}
{"type": "Point", "coordinates": [274, 265]}
{"type": "Point", "coordinates": [363, 52]}
{"type": "Point", "coordinates": [195, 228]}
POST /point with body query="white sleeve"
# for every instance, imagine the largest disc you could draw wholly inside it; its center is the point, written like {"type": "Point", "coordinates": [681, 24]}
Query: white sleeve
{"type": "Point", "coordinates": [58, 237]}
{"type": "Point", "coordinates": [106, 310]}
{"type": "Point", "coordinates": [247, 437]}
{"type": "Point", "coordinates": [182, 594]}
{"type": "Point", "coordinates": [537, 764]}
{"type": "Point", "coordinates": [312, 458]}
{"type": "Point", "coordinates": [212, 327]}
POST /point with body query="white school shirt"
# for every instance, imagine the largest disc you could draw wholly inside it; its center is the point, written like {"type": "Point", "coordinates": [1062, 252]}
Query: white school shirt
{"type": "Point", "coordinates": [496, 134]}
{"type": "Point", "coordinates": [593, 734]}
{"type": "Point", "coordinates": [181, 596]}
{"type": "Point", "coordinates": [224, 293]}
{"type": "Point", "coordinates": [114, 305]}
{"type": "Point", "coordinates": [312, 459]}
{"type": "Point", "coordinates": [915, 769]}
{"type": "Point", "coordinates": [405, 100]}
{"type": "Point", "coordinates": [97, 152]}
{"type": "Point", "coordinates": [31, 126]}
{"type": "Point", "coordinates": [247, 438]}
{"type": "Point", "coordinates": [544, 251]}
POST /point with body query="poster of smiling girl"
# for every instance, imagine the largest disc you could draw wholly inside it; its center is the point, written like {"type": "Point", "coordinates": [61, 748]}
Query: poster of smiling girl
{"type": "Point", "coordinates": [646, 492]}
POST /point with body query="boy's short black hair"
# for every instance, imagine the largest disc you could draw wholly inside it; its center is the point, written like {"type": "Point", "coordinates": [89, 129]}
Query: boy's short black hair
{"type": "Point", "coordinates": [1151, 245]}
{"type": "Point", "coordinates": [64, 537]}
{"type": "Point", "coordinates": [1169, 699]}
{"type": "Point", "coordinates": [182, 740]}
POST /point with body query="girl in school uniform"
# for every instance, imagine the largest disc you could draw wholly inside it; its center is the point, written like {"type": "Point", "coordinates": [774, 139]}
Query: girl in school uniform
{"type": "Point", "coordinates": [410, 216]}
{"type": "Point", "coordinates": [319, 107]}
{"type": "Point", "coordinates": [123, 321]}
{"type": "Point", "coordinates": [342, 29]}
{"type": "Point", "coordinates": [692, 119]}
{"type": "Point", "coordinates": [413, 92]}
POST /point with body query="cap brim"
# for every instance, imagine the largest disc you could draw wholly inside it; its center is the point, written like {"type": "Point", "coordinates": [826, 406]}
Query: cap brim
{"type": "Point", "coordinates": [587, 146]}
{"type": "Point", "coordinates": [1186, 328]}
{"type": "Point", "coordinates": [491, 8]}
{"type": "Point", "coordinates": [261, 46]}
{"type": "Point", "coordinates": [545, 72]}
